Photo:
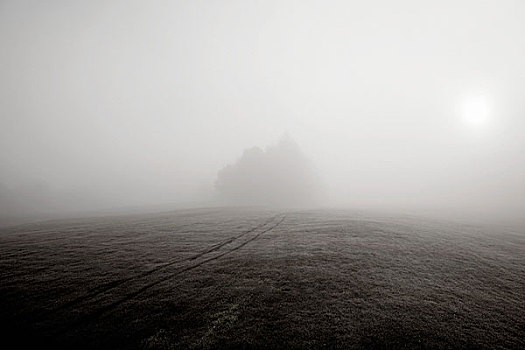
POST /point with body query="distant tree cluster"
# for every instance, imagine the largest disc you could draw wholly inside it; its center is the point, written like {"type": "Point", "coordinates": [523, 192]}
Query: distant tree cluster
{"type": "Point", "coordinates": [280, 175]}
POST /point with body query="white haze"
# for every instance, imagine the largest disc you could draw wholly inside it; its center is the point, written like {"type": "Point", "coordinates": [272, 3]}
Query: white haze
{"type": "Point", "coordinates": [108, 104]}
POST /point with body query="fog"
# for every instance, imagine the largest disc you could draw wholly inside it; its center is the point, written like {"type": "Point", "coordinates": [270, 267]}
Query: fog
{"type": "Point", "coordinates": [407, 106]}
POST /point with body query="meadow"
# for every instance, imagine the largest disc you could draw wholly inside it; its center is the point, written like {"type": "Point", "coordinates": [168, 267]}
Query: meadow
{"type": "Point", "coordinates": [261, 278]}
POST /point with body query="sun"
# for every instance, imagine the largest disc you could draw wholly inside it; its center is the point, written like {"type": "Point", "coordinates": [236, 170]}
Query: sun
{"type": "Point", "coordinates": [476, 111]}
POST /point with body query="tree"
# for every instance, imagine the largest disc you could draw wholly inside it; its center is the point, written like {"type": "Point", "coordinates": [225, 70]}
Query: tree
{"type": "Point", "coordinates": [280, 175]}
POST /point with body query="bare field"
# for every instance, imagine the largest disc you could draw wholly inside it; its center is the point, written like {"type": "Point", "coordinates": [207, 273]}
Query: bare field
{"type": "Point", "coordinates": [225, 278]}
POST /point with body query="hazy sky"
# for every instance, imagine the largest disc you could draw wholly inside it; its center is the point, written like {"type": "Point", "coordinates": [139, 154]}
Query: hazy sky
{"type": "Point", "coordinates": [139, 102]}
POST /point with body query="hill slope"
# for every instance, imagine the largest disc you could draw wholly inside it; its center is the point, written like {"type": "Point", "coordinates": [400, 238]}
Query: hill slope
{"type": "Point", "coordinates": [225, 278]}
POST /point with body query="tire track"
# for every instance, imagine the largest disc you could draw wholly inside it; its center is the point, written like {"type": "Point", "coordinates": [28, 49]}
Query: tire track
{"type": "Point", "coordinates": [100, 312]}
{"type": "Point", "coordinates": [95, 291]}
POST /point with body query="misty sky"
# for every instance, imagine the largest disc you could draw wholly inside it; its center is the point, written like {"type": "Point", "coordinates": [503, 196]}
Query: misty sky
{"type": "Point", "coordinates": [117, 103]}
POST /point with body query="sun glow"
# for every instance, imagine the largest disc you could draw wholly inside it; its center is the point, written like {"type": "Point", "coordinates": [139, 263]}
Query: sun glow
{"type": "Point", "coordinates": [476, 111]}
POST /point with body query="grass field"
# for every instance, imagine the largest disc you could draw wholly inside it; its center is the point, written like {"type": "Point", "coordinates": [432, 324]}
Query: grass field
{"type": "Point", "coordinates": [225, 278]}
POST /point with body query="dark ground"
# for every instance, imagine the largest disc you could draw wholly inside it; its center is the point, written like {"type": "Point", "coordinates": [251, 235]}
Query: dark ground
{"type": "Point", "coordinates": [223, 278]}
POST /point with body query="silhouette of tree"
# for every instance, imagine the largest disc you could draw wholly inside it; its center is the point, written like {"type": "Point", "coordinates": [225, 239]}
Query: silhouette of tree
{"type": "Point", "coordinates": [279, 175]}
